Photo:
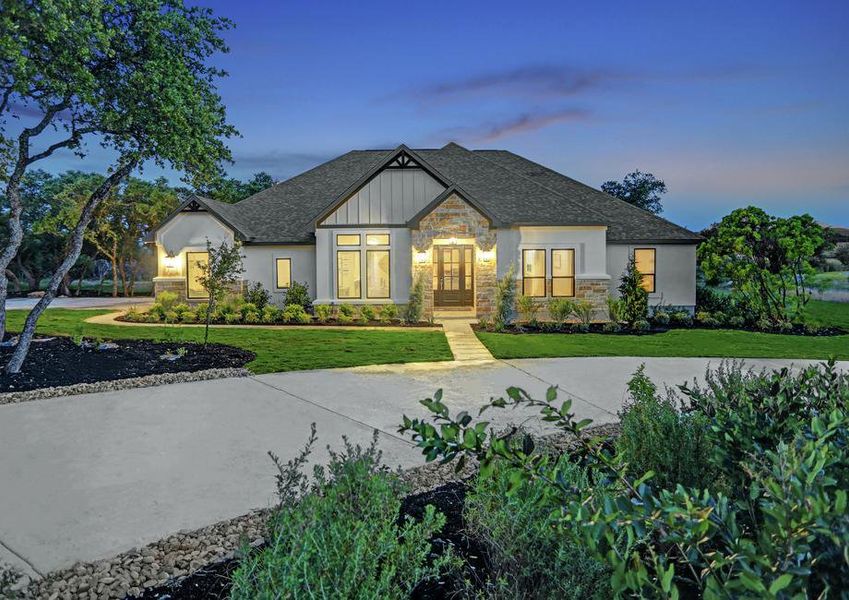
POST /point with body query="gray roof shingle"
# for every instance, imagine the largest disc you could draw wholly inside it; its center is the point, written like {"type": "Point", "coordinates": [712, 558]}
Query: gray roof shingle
{"type": "Point", "coordinates": [511, 189]}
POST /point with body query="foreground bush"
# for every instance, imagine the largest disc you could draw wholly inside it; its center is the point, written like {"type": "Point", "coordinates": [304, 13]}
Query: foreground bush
{"type": "Point", "coordinates": [773, 523]}
{"type": "Point", "coordinates": [339, 537]}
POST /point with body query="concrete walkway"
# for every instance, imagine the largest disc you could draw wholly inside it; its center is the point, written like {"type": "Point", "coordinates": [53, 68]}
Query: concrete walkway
{"type": "Point", "coordinates": [83, 302]}
{"type": "Point", "coordinates": [463, 342]}
{"type": "Point", "coordinates": [86, 477]}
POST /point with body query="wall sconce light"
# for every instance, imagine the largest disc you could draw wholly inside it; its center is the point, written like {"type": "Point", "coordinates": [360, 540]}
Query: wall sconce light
{"type": "Point", "coordinates": [486, 255]}
{"type": "Point", "coordinates": [170, 264]}
{"type": "Point", "coordinates": [421, 257]}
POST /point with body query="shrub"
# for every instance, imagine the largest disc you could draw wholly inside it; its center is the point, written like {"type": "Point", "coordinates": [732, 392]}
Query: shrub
{"type": "Point", "coordinates": [132, 314]}
{"type": "Point", "coordinates": [189, 316]}
{"type": "Point", "coordinates": [710, 300]}
{"type": "Point", "coordinates": [415, 305]}
{"type": "Point", "coordinates": [660, 318]}
{"type": "Point", "coordinates": [641, 326]}
{"type": "Point", "coordinates": [157, 309]}
{"type": "Point", "coordinates": [232, 318]}
{"type": "Point", "coordinates": [505, 298]}
{"type": "Point", "coordinates": [256, 294]}
{"type": "Point", "coordinates": [560, 309]}
{"type": "Point", "coordinates": [735, 321]}
{"type": "Point", "coordinates": [323, 312]}
{"type": "Point", "coordinates": [611, 327]}
{"type": "Point", "coordinates": [583, 310]}
{"type": "Point", "coordinates": [270, 314]}
{"type": "Point", "coordinates": [528, 308]}
{"type": "Point", "coordinates": [681, 318]}
{"type": "Point", "coordinates": [389, 312]}
{"type": "Point", "coordinates": [153, 317]}
{"type": "Point", "coordinates": [343, 538]}
{"type": "Point", "coordinates": [635, 299]}
{"type": "Point", "coordinates": [252, 318]}
{"type": "Point", "coordinates": [171, 317]}
{"type": "Point", "coordinates": [528, 554]}
{"type": "Point", "coordinates": [346, 313]}
{"type": "Point", "coordinates": [299, 293]}
{"type": "Point", "coordinates": [655, 437]}
{"type": "Point", "coordinates": [367, 313]}
{"type": "Point", "coordinates": [166, 300]}
{"type": "Point", "coordinates": [581, 327]}
{"type": "Point", "coordinates": [231, 303]}
{"type": "Point", "coordinates": [615, 309]}
{"type": "Point", "coordinates": [200, 310]}
{"type": "Point", "coordinates": [295, 313]}
{"type": "Point", "coordinates": [181, 308]}
{"type": "Point", "coordinates": [248, 307]}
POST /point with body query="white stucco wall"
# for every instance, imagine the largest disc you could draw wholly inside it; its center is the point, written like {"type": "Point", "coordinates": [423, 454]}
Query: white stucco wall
{"type": "Point", "coordinates": [259, 263]}
{"type": "Point", "coordinates": [675, 279]}
{"type": "Point", "coordinates": [400, 263]}
{"type": "Point", "coordinates": [187, 232]}
{"type": "Point", "coordinates": [589, 244]}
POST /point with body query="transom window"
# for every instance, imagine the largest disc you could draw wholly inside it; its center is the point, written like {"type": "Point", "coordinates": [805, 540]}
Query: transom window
{"type": "Point", "coordinates": [194, 263]}
{"type": "Point", "coordinates": [563, 273]}
{"type": "Point", "coordinates": [533, 273]}
{"type": "Point", "coordinates": [347, 239]}
{"type": "Point", "coordinates": [377, 239]}
{"type": "Point", "coordinates": [645, 260]}
{"type": "Point", "coordinates": [283, 276]}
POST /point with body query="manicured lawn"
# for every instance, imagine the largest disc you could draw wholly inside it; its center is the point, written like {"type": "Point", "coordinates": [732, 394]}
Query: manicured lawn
{"type": "Point", "coordinates": [683, 342]}
{"type": "Point", "coordinates": [836, 280]}
{"type": "Point", "coordinates": [276, 349]}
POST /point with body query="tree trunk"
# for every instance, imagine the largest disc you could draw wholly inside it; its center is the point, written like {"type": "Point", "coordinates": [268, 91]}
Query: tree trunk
{"type": "Point", "coordinates": [32, 282]}
{"type": "Point", "coordinates": [11, 275]}
{"type": "Point", "coordinates": [71, 255]}
{"type": "Point", "coordinates": [113, 258]}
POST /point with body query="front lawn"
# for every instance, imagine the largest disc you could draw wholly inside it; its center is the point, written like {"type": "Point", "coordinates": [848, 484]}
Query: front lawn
{"type": "Point", "coordinates": [683, 342]}
{"type": "Point", "coordinates": [276, 350]}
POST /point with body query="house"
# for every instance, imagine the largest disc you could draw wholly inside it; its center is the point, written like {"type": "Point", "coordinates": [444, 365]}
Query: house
{"type": "Point", "coordinates": [362, 227]}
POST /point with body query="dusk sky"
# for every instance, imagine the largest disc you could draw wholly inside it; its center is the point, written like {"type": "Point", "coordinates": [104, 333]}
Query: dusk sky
{"type": "Point", "coordinates": [731, 103]}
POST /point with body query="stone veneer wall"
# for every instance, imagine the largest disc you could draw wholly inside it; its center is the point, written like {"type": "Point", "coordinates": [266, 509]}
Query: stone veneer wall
{"type": "Point", "coordinates": [454, 218]}
{"type": "Point", "coordinates": [594, 291]}
{"type": "Point", "coordinates": [178, 286]}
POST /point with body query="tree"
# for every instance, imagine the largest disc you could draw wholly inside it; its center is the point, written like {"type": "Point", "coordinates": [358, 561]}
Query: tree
{"type": "Point", "coordinates": [635, 299]}
{"type": "Point", "coordinates": [218, 275]}
{"type": "Point", "coordinates": [232, 190]}
{"type": "Point", "coordinates": [766, 259]}
{"type": "Point", "coordinates": [133, 75]}
{"type": "Point", "coordinates": [640, 189]}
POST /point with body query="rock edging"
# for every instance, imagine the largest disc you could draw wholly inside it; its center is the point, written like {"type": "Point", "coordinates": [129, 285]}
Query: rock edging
{"type": "Point", "coordinates": [121, 384]}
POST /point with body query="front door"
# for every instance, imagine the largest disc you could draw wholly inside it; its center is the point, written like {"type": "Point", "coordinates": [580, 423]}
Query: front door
{"type": "Point", "coordinates": [453, 276]}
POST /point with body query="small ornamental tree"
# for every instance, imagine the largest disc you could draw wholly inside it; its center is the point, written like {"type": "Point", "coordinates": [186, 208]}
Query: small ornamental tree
{"type": "Point", "coordinates": [505, 299]}
{"type": "Point", "coordinates": [218, 275]}
{"type": "Point", "coordinates": [635, 299]}
{"type": "Point", "coordinates": [415, 305]}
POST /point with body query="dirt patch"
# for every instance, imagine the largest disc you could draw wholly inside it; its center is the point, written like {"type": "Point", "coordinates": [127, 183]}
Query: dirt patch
{"type": "Point", "coordinates": [61, 362]}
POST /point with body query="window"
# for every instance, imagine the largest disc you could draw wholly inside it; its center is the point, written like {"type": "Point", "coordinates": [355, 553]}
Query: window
{"type": "Point", "coordinates": [533, 273]}
{"type": "Point", "coordinates": [347, 239]}
{"type": "Point", "coordinates": [194, 260]}
{"type": "Point", "coordinates": [645, 261]}
{"type": "Point", "coordinates": [348, 274]}
{"type": "Point", "coordinates": [284, 273]}
{"type": "Point", "coordinates": [377, 274]}
{"type": "Point", "coordinates": [377, 239]}
{"type": "Point", "coordinates": [563, 272]}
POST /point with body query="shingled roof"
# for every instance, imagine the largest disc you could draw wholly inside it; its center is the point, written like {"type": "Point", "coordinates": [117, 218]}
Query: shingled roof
{"type": "Point", "coordinates": [511, 190]}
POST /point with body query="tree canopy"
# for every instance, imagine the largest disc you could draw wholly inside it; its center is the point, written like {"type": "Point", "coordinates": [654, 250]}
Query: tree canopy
{"type": "Point", "coordinates": [232, 190]}
{"type": "Point", "coordinates": [640, 189]}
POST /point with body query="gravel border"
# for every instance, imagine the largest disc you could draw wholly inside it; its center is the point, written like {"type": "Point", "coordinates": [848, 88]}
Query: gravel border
{"type": "Point", "coordinates": [121, 384]}
{"type": "Point", "coordinates": [184, 552]}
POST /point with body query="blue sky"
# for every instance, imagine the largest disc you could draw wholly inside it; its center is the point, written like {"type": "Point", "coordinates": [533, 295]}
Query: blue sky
{"type": "Point", "coordinates": [731, 103]}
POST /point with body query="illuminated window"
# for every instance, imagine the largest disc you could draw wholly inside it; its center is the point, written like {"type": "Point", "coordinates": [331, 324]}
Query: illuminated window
{"type": "Point", "coordinates": [377, 239]}
{"type": "Point", "coordinates": [645, 261]}
{"type": "Point", "coordinates": [348, 274]}
{"type": "Point", "coordinates": [347, 239]}
{"type": "Point", "coordinates": [533, 273]}
{"type": "Point", "coordinates": [284, 273]}
{"type": "Point", "coordinates": [194, 260]}
{"type": "Point", "coordinates": [377, 273]}
{"type": "Point", "coordinates": [563, 273]}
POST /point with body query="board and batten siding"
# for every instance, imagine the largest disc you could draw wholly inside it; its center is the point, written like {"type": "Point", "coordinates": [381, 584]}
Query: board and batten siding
{"type": "Point", "coordinates": [394, 196]}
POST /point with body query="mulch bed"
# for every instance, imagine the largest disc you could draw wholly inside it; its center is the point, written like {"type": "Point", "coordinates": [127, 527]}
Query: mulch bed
{"type": "Point", "coordinates": [61, 362]}
{"type": "Point", "coordinates": [571, 328]}
{"type": "Point", "coordinates": [328, 323]}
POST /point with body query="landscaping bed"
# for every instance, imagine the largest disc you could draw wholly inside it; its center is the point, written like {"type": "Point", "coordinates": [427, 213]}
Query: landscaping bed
{"type": "Point", "coordinates": [313, 322]}
{"type": "Point", "coordinates": [611, 328]}
{"type": "Point", "coordinates": [62, 361]}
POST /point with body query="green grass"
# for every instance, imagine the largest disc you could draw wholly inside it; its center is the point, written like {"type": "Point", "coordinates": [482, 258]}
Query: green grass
{"type": "Point", "coordinates": [683, 342]}
{"type": "Point", "coordinates": [835, 280]}
{"type": "Point", "coordinates": [276, 349]}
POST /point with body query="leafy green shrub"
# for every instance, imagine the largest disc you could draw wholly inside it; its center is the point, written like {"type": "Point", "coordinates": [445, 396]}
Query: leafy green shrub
{"type": "Point", "coordinates": [295, 313]}
{"type": "Point", "coordinates": [252, 318]}
{"type": "Point", "coordinates": [635, 299]}
{"type": "Point", "coordinates": [560, 309]}
{"type": "Point", "coordinates": [527, 553]}
{"type": "Point", "coordinates": [181, 308]}
{"type": "Point", "coordinates": [323, 312]}
{"type": "Point", "coordinates": [528, 307]}
{"type": "Point", "coordinates": [233, 318]}
{"type": "Point", "coordinates": [345, 313]}
{"type": "Point", "coordinates": [641, 326]}
{"type": "Point", "coordinates": [710, 300]}
{"type": "Point", "coordinates": [270, 314]}
{"type": "Point", "coordinates": [677, 447]}
{"type": "Point", "coordinates": [299, 294]}
{"type": "Point", "coordinates": [153, 317]}
{"type": "Point", "coordinates": [231, 303]}
{"type": "Point", "coordinates": [166, 300]}
{"type": "Point", "coordinates": [189, 316]}
{"type": "Point", "coordinates": [389, 312]}
{"type": "Point", "coordinates": [735, 321]}
{"type": "Point", "coordinates": [157, 310]}
{"type": "Point", "coordinates": [367, 313]}
{"type": "Point", "coordinates": [505, 299]}
{"type": "Point", "coordinates": [342, 539]}
{"type": "Point", "coordinates": [248, 307]}
{"type": "Point", "coordinates": [611, 327]}
{"type": "Point", "coordinates": [256, 294]}
{"type": "Point", "coordinates": [200, 310]}
{"type": "Point", "coordinates": [615, 309]}
{"type": "Point", "coordinates": [171, 317]}
{"type": "Point", "coordinates": [581, 327]}
{"type": "Point", "coordinates": [133, 314]}
{"type": "Point", "coordinates": [415, 305]}
{"type": "Point", "coordinates": [660, 318]}
{"type": "Point", "coordinates": [584, 310]}
{"type": "Point", "coordinates": [681, 318]}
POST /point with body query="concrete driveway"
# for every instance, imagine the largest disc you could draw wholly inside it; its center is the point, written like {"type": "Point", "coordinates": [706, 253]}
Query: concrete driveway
{"type": "Point", "coordinates": [86, 477]}
{"type": "Point", "coordinates": [82, 302]}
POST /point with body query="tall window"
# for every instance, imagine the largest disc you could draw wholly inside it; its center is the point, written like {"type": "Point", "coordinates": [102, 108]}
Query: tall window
{"type": "Point", "coordinates": [194, 260]}
{"type": "Point", "coordinates": [377, 273]}
{"type": "Point", "coordinates": [645, 262]}
{"type": "Point", "coordinates": [563, 272]}
{"type": "Point", "coordinates": [533, 273]}
{"type": "Point", "coordinates": [283, 275]}
{"type": "Point", "coordinates": [348, 274]}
